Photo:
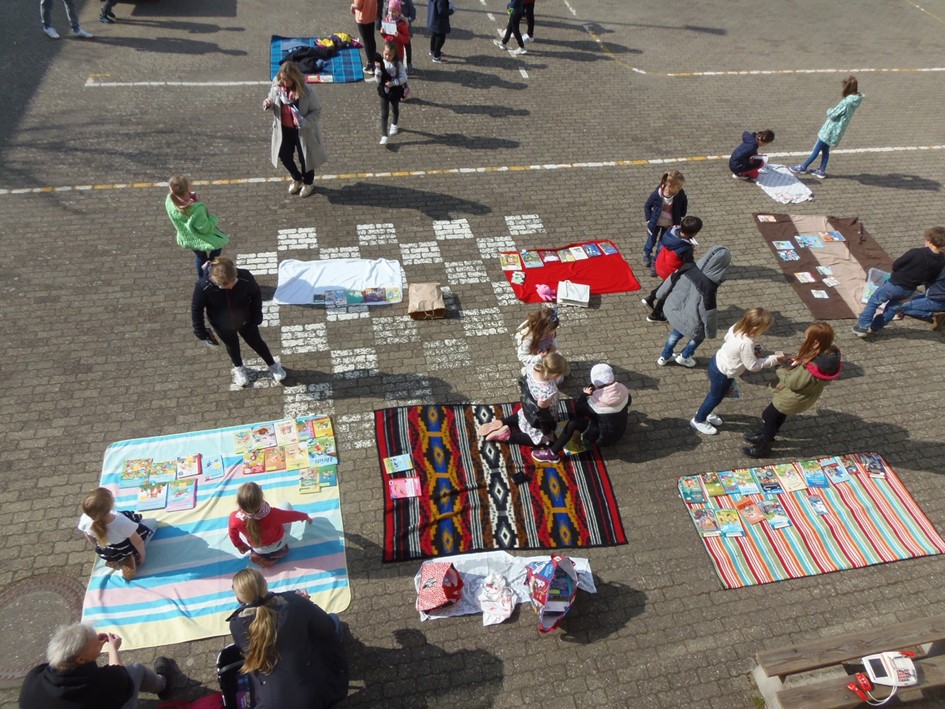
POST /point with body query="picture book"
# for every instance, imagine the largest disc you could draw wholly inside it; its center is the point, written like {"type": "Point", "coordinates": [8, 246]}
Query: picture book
{"type": "Point", "coordinates": [213, 467]}
{"type": "Point", "coordinates": [374, 295]}
{"type": "Point", "coordinates": [805, 277]}
{"type": "Point", "coordinates": [404, 487]}
{"type": "Point", "coordinates": [566, 256]}
{"type": "Point", "coordinates": [828, 236]}
{"type": "Point", "coordinates": [286, 431]}
{"type": "Point", "coordinates": [825, 270]}
{"type": "Point", "coordinates": [163, 471]}
{"type": "Point", "coordinates": [820, 294]}
{"type": "Point", "coordinates": [783, 245]}
{"type": "Point", "coordinates": [188, 466]}
{"type": "Point", "coordinates": [398, 464]}
{"type": "Point", "coordinates": [181, 495]}
{"type": "Point", "coordinates": [549, 256]}
{"type": "Point", "coordinates": [308, 481]}
{"type": "Point", "coordinates": [834, 471]}
{"type": "Point", "coordinates": [353, 297]}
{"type": "Point", "coordinates": [592, 250]}
{"type": "Point", "coordinates": [817, 505]}
{"type": "Point", "coordinates": [831, 282]}
{"type": "Point", "coordinates": [747, 485]}
{"type": "Point", "coordinates": [328, 475]}
{"type": "Point", "coordinates": [296, 456]}
{"type": "Point", "coordinates": [264, 436]}
{"type": "Point", "coordinates": [789, 477]}
{"type": "Point", "coordinates": [274, 459]}
{"type": "Point", "coordinates": [729, 523]}
{"type": "Point", "coordinates": [729, 484]}
{"type": "Point", "coordinates": [320, 427]}
{"type": "Point", "coordinates": [768, 480]}
{"type": "Point", "coordinates": [874, 279]}
{"type": "Point", "coordinates": [872, 464]}
{"type": "Point", "coordinates": [749, 510]}
{"type": "Point", "coordinates": [152, 497]}
{"type": "Point", "coordinates": [775, 514]}
{"type": "Point", "coordinates": [578, 253]}
{"type": "Point", "coordinates": [788, 255]}
{"type": "Point", "coordinates": [135, 472]}
{"type": "Point", "coordinates": [607, 248]}
{"type": "Point", "coordinates": [704, 519]}
{"type": "Point", "coordinates": [813, 473]}
{"type": "Point", "coordinates": [575, 444]}
{"type": "Point", "coordinates": [321, 451]}
{"type": "Point", "coordinates": [809, 241]}
{"type": "Point", "coordinates": [531, 259]}
{"type": "Point", "coordinates": [254, 461]}
{"type": "Point", "coordinates": [335, 297]}
{"type": "Point", "coordinates": [769, 218]}
{"type": "Point", "coordinates": [393, 295]}
{"type": "Point", "coordinates": [690, 489]}
{"type": "Point", "coordinates": [518, 278]}
{"type": "Point", "coordinates": [733, 391]}
{"type": "Point", "coordinates": [233, 465]}
{"type": "Point", "coordinates": [713, 486]}
{"type": "Point", "coordinates": [849, 465]}
{"type": "Point", "coordinates": [242, 441]}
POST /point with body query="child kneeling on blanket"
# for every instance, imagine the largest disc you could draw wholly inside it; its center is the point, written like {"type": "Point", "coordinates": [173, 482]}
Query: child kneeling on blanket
{"type": "Point", "coordinates": [259, 528]}
{"type": "Point", "coordinates": [605, 406]}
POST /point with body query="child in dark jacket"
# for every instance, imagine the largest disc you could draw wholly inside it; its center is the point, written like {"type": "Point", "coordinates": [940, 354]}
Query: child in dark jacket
{"type": "Point", "coordinates": [676, 250]}
{"type": "Point", "coordinates": [391, 80]}
{"type": "Point", "coordinates": [744, 162]}
{"type": "Point", "coordinates": [605, 406]}
{"type": "Point", "coordinates": [665, 208]}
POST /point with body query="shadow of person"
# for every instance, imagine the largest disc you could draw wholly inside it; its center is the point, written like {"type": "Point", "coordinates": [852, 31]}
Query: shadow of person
{"type": "Point", "coordinates": [436, 205]}
{"type": "Point", "coordinates": [596, 616]}
{"type": "Point", "coordinates": [457, 140]}
{"type": "Point", "coordinates": [402, 676]}
{"type": "Point", "coordinates": [646, 438]}
{"type": "Point", "coordinates": [892, 180]}
{"type": "Point", "coordinates": [364, 560]}
{"type": "Point", "coordinates": [493, 111]}
{"type": "Point", "coordinates": [169, 45]}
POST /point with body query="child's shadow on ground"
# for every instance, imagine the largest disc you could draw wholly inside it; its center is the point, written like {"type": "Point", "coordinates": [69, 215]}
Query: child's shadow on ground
{"type": "Point", "coordinates": [596, 616]}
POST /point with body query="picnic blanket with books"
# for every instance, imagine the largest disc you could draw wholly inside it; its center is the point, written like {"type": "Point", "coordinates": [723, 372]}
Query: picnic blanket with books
{"type": "Point", "coordinates": [339, 282]}
{"type": "Point", "coordinates": [447, 491]}
{"type": "Point", "coordinates": [597, 264]}
{"type": "Point", "coordinates": [336, 62]}
{"type": "Point", "coordinates": [807, 517]}
{"type": "Point", "coordinates": [183, 590]}
{"type": "Point", "coordinates": [782, 186]}
{"type": "Point", "coordinates": [827, 260]}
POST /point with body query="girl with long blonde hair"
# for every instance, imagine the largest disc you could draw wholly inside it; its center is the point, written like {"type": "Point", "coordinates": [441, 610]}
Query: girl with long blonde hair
{"type": "Point", "coordinates": [537, 336]}
{"type": "Point", "coordinates": [259, 528]}
{"type": "Point", "coordinates": [196, 228]}
{"type": "Point", "coordinates": [119, 537]}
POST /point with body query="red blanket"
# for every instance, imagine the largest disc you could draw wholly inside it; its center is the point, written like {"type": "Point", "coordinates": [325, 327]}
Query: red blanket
{"type": "Point", "coordinates": [604, 274]}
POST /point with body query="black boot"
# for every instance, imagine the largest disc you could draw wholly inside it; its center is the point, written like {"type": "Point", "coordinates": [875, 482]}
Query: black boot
{"type": "Point", "coordinates": [754, 437]}
{"type": "Point", "coordinates": [762, 449]}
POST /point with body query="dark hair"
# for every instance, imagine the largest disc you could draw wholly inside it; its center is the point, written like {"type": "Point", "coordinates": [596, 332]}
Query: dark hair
{"type": "Point", "coordinates": [690, 226]}
{"type": "Point", "coordinates": [850, 86]}
{"type": "Point", "coordinates": [765, 136]}
{"type": "Point", "coordinates": [936, 237]}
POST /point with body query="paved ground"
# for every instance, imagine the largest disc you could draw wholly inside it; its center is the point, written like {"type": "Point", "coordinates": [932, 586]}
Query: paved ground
{"type": "Point", "coordinates": [95, 295]}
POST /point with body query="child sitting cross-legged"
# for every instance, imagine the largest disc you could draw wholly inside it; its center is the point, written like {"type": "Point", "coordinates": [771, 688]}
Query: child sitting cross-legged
{"type": "Point", "coordinates": [259, 528]}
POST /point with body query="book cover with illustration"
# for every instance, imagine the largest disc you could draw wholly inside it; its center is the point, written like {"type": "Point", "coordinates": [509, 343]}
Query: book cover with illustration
{"type": "Point", "coordinates": [296, 456]}
{"type": "Point", "coordinates": [849, 465]}
{"type": "Point", "coordinates": [531, 259]}
{"type": "Point", "coordinates": [163, 471]}
{"type": "Point", "coordinates": [825, 270]}
{"type": "Point", "coordinates": [274, 459]}
{"type": "Point", "coordinates": [189, 466]}
{"type": "Point", "coordinates": [393, 295]}
{"type": "Point", "coordinates": [874, 279]}
{"type": "Point", "coordinates": [607, 248]}
{"type": "Point", "coordinates": [286, 431]}
{"type": "Point", "coordinates": [822, 294]}
{"type": "Point", "coordinates": [181, 495]}
{"type": "Point", "coordinates": [775, 514]}
{"type": "Point", "coordinates": [871, 463]}
{"type": "Point", "coordinates": [213, 467]}
{"type": "Point", "coordinates": [264, 436]}
{"type": "Point", "coordinates": [690, 489]}
{"type": "Point", "coordinates": [336, 297]}
{"type": "Point", "coordinates": [578, 253]}
{"type": "Point", "coordinates": [135, 472]}
{"type": "Point", "coordinates": [549, 256]}
{"type": "Point", "coordinates": [566, 256]}
{"type": "Point", "coordinates": [242, 441]}
{"type": "Point", "coordinates": [308, 481]}
{"type": "Point", "coordinates": [805, 277]}
{"type": "Point", "coordinates": [834, 471]}
{"type": "Point", "coordinates": [321, 451]}
{"type": "Point", "coordinates": [782, 245]}
{"type": "Point", "coordinates": [817, 505]}
{"type": "Point", "coordinates": [749, 510]}
{"type": "Point", "coordinates": [813, 473]}
{"type": "Point", "coordinates": [152, 497]}
{"type": "Point", "coordinates": [809, 241]}
{"type": "Point", "coordinates": [254, 461]}
{"type": "Point", "coordinates": [768, 480]}
{"type": "Point", "coordinates": [592, 250]}
{"type": "Point", "coordinates": [830, 236]}
{"type": "Point", "coordinates": [320, 427]}
{"type": "Point", "coordinates": [729, 523]}
{"type": "Point", "coordinates": [729, 484]}
{"type": "Point", "coordinates": [704, 519]}
{"type": "Point", "coordinates": [712, 484]}
{"type": "Point", "coordinates": [374, 295]}
{"type": "Point", "coordinates": [328, 475]}
{"type": "Point", "coordinates": [747, 485]}
{"type": "Point", "coordinates": [404, 487]}
{"type": "Point", "coordinates": [518, 278]}
{"type": "Point", "coordinates": [788, 255]}
{"type": "Point", "coordinates": [398, 464]}
{"type": "Point", "coordinates": [791, 480]}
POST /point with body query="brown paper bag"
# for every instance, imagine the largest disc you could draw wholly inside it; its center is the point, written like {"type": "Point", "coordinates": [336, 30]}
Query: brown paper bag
{"type": "Point", "coordinates": [425, 301]}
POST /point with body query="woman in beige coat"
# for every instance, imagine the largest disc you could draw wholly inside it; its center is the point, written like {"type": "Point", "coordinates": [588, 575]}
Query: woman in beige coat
{"type": "Point", "coordinates": [295, 129]}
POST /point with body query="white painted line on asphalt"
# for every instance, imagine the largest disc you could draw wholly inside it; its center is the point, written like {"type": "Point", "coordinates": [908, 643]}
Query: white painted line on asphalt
{"type": "Point", "coordinates": [568, 5]}
{"type": "Point", "coordinates": [95, 83]}
{"type": "Point", "coordinates": [781, 72]}
{"type": "Point", "coordinates": [490, 17]}
{"type": "Point", "coordinates": [463, 170]}
{"type": "Point", "coordinates": [522, 71]}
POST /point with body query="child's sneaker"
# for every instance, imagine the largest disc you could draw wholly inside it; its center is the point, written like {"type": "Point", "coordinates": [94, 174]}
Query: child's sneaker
{"type": "Point", "coordinates": [278, 373]}
{"type": "Point", "coordinates": [705, 427]}
{"type": "Point", "coordinates": [743, 178]}
{"type": "Point", "coordinates": [105, 19]}
{"type": "Point", "coordinates": [656, 317]}
{"type": "Point", "coordinates": [861, 331]}
{"type": "Point", "coordinates": [714, 419]}
{"type": "Point", "coordinates": [647, 302]}
{"type": "Point", "coordinates": [51, 32]}
{"type": "Point", "coordinates": [383, 140]}
{"type": "Point", "coordinates": [798, 169]}
{"type": "Point", "coordinates": [663, 361]}
{"type": "Point", "coordinates": [295, 186]}
{"type": "Point", "coordinates": [519, 52]}
{"type": "Point", "coordinates": [439, 60]}
{"type": "Point", "coordinates": [685, 361]}
{"type": "Point", "coordinates": [240, 376]}
{"type": "Point", "coordinates": [500, 44]}
{"type": "Point", "coordinates": [819, 174]}
{"type": "Point", "coordinates": [527, 38]}
{"type": "Point", "coordinates": [307, 190]}
{"type": "Point", "coordinates": [82, 34]}
{"type": "Point", "coordinates": [544, 455]}
{"type": "Point", "coordinates": [394, 130]}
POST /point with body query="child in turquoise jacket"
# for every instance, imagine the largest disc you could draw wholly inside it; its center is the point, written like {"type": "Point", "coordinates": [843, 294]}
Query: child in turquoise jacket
{"type": "Point", "coordinates": [838, 118]}
{"type": "Point", "coordinates": [196, 227]}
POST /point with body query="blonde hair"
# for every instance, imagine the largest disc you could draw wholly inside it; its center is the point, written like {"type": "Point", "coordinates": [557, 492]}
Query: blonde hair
{"type": "Point", "coordinates": [291, 73]}
{"type": "Point", "coordinates": [262, 656]}
{"type": "Point", "coordinates": [753, 323]}
{"type": "Point", "coordinates": [818, 338]}
{"type": "Point", "coordinates": [673, 177]}
{"type": "Point", "coordinates": [222, 271]}
{"type": "Point", "coordinates": [179, 187]}
{"type": "Point", "coordinates": [538, 325]}
{"type": "Point", "coordinates": [553, 365]}
{"type": "Point", "coordinates": [249, 498]}
{"type": "Point", "coordinates": [98, 506]}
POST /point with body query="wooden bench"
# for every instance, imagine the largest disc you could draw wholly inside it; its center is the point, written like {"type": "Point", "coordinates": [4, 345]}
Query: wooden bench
{"type": "Point", "coordinates": [778, 671]}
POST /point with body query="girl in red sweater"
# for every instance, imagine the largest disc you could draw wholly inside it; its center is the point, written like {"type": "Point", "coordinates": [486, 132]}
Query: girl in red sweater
{"type": "Point", "coordinates": [260, 528]}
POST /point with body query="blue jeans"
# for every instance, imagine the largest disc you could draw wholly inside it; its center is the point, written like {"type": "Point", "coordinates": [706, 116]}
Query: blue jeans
{"type": "Point", "coordinates": [888, 293]}
{"type": "Point", "coordinates": [920, 308]}
{"type": "Point", "coordinates": [652, 241]}
{"type": "Point", "coordinates": [45, 10]}
{"type": "Point", "coordinates": [819, 147]}
{"type": "Point", "coordinates": [201, 257]}
{"type": "Point", "coordinates": [719, 385]}
{"type": "Point", "coordinates": [674, 337]}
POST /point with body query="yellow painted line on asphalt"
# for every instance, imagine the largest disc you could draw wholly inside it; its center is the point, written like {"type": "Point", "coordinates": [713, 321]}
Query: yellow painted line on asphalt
{"type": "Point", "coordinates": [488, 169]}
{"type": "Point", "coordinates": [919, 7]}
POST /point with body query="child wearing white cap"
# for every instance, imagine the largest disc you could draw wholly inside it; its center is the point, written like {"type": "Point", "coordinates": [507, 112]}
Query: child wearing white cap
{"type": "Point", "coordinates": [606, 404]}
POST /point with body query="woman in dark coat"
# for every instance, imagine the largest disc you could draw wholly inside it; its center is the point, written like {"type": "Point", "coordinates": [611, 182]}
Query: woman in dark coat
{"type": "Point", "coordinates": [292, 649]}
{"type": "Point", "coordinates": [438, 22]}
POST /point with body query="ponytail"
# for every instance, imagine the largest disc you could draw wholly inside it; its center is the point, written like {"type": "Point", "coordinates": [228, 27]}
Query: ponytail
{"type": "Point", "coordinates": [249, 498]}
{"type": "Point", "coordinates": [250, 587]}
{"type": "Point", "coordinates": [98, 506]}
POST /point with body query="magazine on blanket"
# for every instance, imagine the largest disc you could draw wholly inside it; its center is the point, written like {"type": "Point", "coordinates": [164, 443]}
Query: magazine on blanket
{"type": "Point", "coordinates": [874, 279]}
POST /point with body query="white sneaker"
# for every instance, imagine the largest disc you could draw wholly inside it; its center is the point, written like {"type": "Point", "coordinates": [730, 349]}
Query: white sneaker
{"type": "Point", "coordinates": [51, 33]}
{"type": "Point", "coordinates": [527, 38]}
{"type": "Point", "coordinates": [278, 373]}
{"type": "Point", "coordinates": [685, 361]}
{"type": "Point", "coordinates": [383, 140]}
{"type": "Point", "coordinates": [500, 44]}
{"type": "Point", "coordinates": [307, 190]}
{"type": "Point", "coordinates": [82, 34]}
{"type": "Point", "coordinates": [240, 376]}
{"type": "Point", "coordinates": [520, 52]}
{"type": "Point", "coordinates": [714, 420]}
{"type": "Point", "coordinates": [663, 361]}
{"type": "Point", "coordinates": [295, 186]}
{"type": "Point", "coordinates": [704, 427]}
{"type": "Point", "coordinates": [394, 130]}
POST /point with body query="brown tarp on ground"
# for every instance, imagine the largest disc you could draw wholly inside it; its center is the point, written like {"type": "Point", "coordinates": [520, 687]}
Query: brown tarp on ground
{"type": "Point", "coordinates": [850, 261]}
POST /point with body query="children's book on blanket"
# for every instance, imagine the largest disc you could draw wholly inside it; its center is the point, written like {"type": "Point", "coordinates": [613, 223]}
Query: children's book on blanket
{"type": "Point", "coordinates": [188, 484]}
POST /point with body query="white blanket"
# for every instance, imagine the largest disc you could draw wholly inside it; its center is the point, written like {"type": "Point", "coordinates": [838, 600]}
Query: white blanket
{"type": "Point", "coordinates": [301, 281]}
{"type": "Point", "coordinates": [782, 186]}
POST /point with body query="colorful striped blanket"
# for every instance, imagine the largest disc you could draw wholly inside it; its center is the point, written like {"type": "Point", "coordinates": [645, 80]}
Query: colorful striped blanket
{"type": "Point", "coordinates": [182, 591]}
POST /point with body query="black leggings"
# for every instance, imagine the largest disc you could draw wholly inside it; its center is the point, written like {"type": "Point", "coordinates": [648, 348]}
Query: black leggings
{"type": "Point", "coordinates": [512, 29]}
{"type": "Point", "coordinates": [530, 19]}
{"type": "Point", "coordinates": [436, 44]}
{"type": "Point", "coordinates": [389, 106]}
{"type": "Point", "coordinates": [369, 40]}
{"type": "Point", "coordinates": [771, 422]}
{"type": "Point", "coordinates": [251, 336]}
{"type": "Point", "coordinates": [291, 143]}
{"type": "Point", "coordinates": [522, 439]}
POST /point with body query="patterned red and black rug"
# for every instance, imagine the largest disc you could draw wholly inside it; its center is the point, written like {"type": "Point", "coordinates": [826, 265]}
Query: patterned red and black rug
{"type": "Point", "coordinates": [468, 500]}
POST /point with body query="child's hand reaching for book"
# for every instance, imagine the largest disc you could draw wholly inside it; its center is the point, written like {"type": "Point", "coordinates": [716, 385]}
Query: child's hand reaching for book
{"type": "Point", "coordinates": [308, 520]}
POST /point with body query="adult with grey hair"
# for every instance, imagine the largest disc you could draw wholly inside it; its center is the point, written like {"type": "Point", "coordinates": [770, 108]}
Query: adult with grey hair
{"type": "Point", "coordinates": [72, 679]}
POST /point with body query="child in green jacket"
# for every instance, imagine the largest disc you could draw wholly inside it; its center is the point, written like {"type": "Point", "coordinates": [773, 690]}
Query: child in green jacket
{"type": "Point", "coordinates": [196, 227]}
{"type": "Point", "coordinates": [838, 118]}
